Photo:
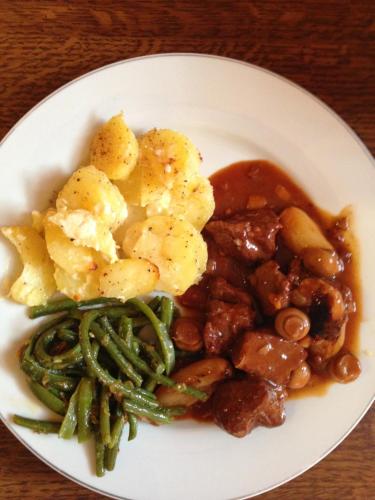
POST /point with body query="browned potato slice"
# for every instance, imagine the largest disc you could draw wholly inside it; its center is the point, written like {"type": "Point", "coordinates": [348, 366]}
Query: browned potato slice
{"type": "Point", "coordinates": [67, 255]}
{"type": "Point", "coordinates": [78, 286]}
{"type": "Point", "coordinates": [193, 202]}
{"type": "Point", "coordinates": [115, 148]}
{"type": "Point", "coordinates": [36, 283]}
{"type": "Point", "coordinates": [83, 229]}
{"type": "Point", "coordinates": [90, 189]}
{"type": "Point", "coordinates": [166, 158]}
{"type": "Point", "coordinates": [174, 246]}
{"type": "Point", "coordinates": [128, 278]}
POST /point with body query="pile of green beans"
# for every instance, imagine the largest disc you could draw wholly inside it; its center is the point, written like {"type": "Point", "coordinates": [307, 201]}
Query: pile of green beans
{"type": "Point", "coordinates": [89, 365]}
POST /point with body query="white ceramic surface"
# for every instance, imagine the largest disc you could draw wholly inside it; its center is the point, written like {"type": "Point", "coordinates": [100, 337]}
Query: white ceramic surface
{"type": "Point", "coordinates": [232, 111]}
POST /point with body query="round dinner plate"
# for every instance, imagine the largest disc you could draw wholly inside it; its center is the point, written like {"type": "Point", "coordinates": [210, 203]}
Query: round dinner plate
{"type": "Point", "coordinates": [232, 111]}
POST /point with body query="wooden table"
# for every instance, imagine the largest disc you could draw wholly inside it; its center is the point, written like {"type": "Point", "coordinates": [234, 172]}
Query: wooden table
{"type": "Point", "coordinates": [327, 46]}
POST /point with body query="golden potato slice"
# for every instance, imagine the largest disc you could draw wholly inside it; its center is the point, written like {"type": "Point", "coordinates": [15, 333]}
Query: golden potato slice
{"type": "Point", "coordinates": [193, 202]}
{"type": "Point", "coordinates": [165, 158]}
{"type": "Point", "coordinates": [174, 246]}
{"type": "Point", "coordinates": [299, 231]}
{"type": "Point", "coordinates": [37, 220]}
{"type": "Point", "coordinates": [83, 229]}
{"type": "Point", "coordinates": [130, 188]}
{"type": "Point", "coordinates": [67, 255]}
{"type": "Point", "coordinates": [114, 148]}
{"type": "Point", "coordinates": [136, 214]}
{"type": "Point", "coordinates": [77, 286]}
{"type": "Point", "coordinates": [36, 283]}
{"type": "Point", "coordinates": [128, 278]}
{"type": "Point", "coordinates": [90, 189]}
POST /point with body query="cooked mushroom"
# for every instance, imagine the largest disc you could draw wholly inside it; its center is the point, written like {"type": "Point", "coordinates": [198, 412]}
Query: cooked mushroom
{"type": "Point", "coordinates": [292, 324]}
{"type": "Point", "coordinates": [300, 376]}
{"type": "Point", "coordinates": [344, 367]}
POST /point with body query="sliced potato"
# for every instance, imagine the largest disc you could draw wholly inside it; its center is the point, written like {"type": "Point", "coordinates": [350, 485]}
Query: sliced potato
{"type": "Point", "coordinates": [77, 286]}
{"type": "Point", "coordinates": [193, 201]}
{"type": "Point", "coordinates": [174, 246]}
{"type": "Point", "coordinates": [115, 148]}
{"type": "Point", "coordinates": [165, 158]}
{"type": "Point", "coordinates": [36, 283]}
{"type": "Point", "coordinates": [83, 229]}
{"type": "Point", "coordinates": [128, 278]}
{"type": "Point", "coordinates": [90, 189]}
{"type": "Point", "coordinates": [299, 231]}
{"type": "Point", "coordinates": [136, 214]}
{"type": "Point", "coordinates": [67, 255]}
{"type": "Point", "coordinates": [37, 220]}
{"type": "Point", "coordinates": [130, 188]}
{"type": "Point", "coordinates": [203, 375]}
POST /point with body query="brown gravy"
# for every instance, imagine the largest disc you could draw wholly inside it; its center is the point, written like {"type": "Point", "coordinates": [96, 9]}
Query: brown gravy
{"type": "Point", "coordinates": [232, 187]}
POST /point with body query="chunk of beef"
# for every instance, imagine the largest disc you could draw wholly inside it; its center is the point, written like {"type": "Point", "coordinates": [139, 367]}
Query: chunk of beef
{"type": "Point", "coordinates": [220, 289]}
{"type": "Point", "coordinates": [266, 355]}
{"type": "Point", "coordinates": [271, 286]}
{"type": "Point", "coordinates": [224, 322]}
{"type": "Point", "coordinates": [219, 264]}
{"type": "Point", "coordinates": [195, 296]}
{"type": "Point", "coordinates": [240, 405]}
{"type": "Point", "coordinates": [187, 334]}
{"type": "Point", "coordinates": [249, 236]}
{"type": "Point", "coordinates": [297, 272]}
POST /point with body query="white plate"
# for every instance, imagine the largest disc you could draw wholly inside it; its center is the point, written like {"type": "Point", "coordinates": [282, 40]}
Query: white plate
{"type": "Point", "coordinates": [232, 111]}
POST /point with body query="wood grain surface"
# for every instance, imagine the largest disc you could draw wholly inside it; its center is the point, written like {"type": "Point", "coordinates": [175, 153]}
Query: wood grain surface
{"type": "Point", "coordinates": [328, 47]}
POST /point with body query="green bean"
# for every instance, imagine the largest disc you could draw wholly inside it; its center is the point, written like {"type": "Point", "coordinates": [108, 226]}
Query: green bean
{"type": "Point", "coordinates": [126, 333]}
{"type": "Point", "coordinates": [41, 426]}
{"type": "Point", "coordinates": [151, 353]}
{"type": "Point", "coordinates": [166, 311]}
{"type": "Point", "coordinates": [69, 304]}
{"type": "Point", "coordinates": [103, 337]}
{"type": "Point", "coordinates": [176, 411]}
{"type": "Point", "coordinates": [151, 382]}
{"type": "Point", "coordinates": [143, 367]}
{"type": "Point", "coordinates": [135, 347]}
{"type": "Point", "coordinates": [47, 398]}
{"type": "Point", "coordinates": [111, 453]}
{"type": "Point", "coordinates": [45, 377]}
{"type": "Point", "coordinates": [53, 378]}
{"type": "Point", "coordinates": [117, 428]}
{"type": "Point", "coordinates": [85, 398]}
{"type": "Point", "coordinates": [95, 348]}
{"type": "Point", "coordinates": [154, 303]}
{"type": "Point", "coordinates": [126, 330]}
{"type": "Point", "coordinates": [69, 424]}
{"type": "Point", "coordinates": [157, 415]}
{"type": "Point", "coordinates": [116, 312]}
{"type": "Point", "coordinates": [156, 363]}
{"type": "Point", "coordinates": [161, 331]}
{"type": "Point", "coordinates": [68, 358]}
{"type": "Point", "coordinates": [104, 415]}
{"type": "Point", "coordinates": [115, 386]}
{"type": "Point", "coordinates": [99, 455]}
{"type": "Point", "coordinates": [67, 335]}
{"type": "Point", "coordinates": [133, 424]}
{"type": "Point", "coordinates": [147, 394]}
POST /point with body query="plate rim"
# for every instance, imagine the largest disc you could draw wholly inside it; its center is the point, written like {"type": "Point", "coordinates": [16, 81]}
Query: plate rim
{"type": "Point", "coordinates": [271, 73]}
